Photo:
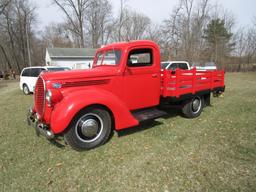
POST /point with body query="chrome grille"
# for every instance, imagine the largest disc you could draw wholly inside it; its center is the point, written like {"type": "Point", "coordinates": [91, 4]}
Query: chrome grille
{"type": "Point", "coordinates": [40, 96]}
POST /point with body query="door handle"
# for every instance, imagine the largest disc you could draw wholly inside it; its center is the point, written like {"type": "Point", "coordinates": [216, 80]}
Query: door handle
{"type": "Point", "coordinates": [154, 75]}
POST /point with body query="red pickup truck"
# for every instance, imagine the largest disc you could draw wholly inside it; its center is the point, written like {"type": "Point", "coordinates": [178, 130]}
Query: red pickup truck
{"type": "Point", "coordinates": [125, 86]}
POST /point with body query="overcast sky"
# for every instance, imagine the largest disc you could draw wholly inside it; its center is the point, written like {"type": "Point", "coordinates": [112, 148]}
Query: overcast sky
{"type": "Point", "coordinates": [157, 10]}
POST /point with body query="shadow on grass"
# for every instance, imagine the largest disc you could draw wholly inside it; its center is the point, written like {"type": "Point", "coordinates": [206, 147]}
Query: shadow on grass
{"type": "Point", "coordinates": [149, 124]}
{"type": "Point", "coordinates": [142, 127]}
{"type": "Point", "coordinates": [58, 143]}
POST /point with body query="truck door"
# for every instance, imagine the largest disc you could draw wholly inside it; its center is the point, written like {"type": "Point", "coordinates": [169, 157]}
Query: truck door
{"type": "Point", "coordinates": [141, 79]}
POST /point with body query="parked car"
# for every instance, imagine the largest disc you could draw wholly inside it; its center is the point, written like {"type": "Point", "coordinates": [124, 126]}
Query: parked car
{"type": "Point", "coordinates": [29, 75]}
{"type": "Point", "coordinates": [85, 106]}
{"type": "Point", "coordinates": [173, 65]}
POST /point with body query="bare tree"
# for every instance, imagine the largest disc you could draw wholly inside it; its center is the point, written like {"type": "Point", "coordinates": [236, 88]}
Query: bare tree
{"type": "Point", "coordinates": [16, 32]}
{"type": "Point", "coordinates": [240, 39]}
{"type": "Point", "coordinates": [75, 13]}
{"type": "Point", "coordinates": [171, 34]}
{"type": "Point", "coordinates": [99, 16]}
{"type": "Point", "coordinates": [56, 35]}
{"type": "Point", "coordinates": [183, 30]}
{"type": "Point", "coordinates": [154, 33]}
{"type": "Point", "coordinates": [251, 45]}
{"type": "Point", "coordinates": [3, 5]}
{"type": "Point", "coordinates": [120, 20]}
{"type": "Point", "coordinates": [134, 26]}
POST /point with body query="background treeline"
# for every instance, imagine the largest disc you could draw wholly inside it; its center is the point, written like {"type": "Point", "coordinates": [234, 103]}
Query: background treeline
{"type": "Point", "coordinates": [196, 30]}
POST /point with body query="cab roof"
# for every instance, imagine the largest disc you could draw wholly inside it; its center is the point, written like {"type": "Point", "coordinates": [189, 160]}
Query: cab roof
{"type": "Point", "coordinates": [128, 44]}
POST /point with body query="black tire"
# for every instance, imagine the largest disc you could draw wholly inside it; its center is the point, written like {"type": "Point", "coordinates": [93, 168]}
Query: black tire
{"type": "Point", "coordinates": [26, 90]}
{"type": "Point", "coordinates": [90, 128]}
{"type": "Point", "coordinates": [193, 108]}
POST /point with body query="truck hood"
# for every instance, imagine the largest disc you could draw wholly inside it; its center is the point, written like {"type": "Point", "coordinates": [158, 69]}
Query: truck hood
{"type": "Point", "coordinates": [101, 71]}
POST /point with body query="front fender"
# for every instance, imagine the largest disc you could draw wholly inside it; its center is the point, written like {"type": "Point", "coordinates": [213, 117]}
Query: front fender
{"type": "Point", "coordinates": [72, 103]}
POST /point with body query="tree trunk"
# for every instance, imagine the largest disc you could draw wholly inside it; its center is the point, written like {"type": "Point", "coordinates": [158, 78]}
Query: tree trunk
{"type": "Point", "coordinates": [5, 56]}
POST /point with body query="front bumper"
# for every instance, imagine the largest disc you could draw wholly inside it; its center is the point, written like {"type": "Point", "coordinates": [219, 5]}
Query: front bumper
{"type": "Point", "coordinates": [40, 127]}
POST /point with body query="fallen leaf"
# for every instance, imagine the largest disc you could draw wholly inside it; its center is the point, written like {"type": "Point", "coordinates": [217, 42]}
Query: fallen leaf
{"type": "Point", "coordinates": [49, 170]}
{"type": "Point", "coordinates": [58, 164]}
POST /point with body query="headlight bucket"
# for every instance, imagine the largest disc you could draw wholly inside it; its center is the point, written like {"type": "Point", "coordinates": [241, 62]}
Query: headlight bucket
{"type": "Point", "coordinates": [48, 97]}
{"type": "Point", "coordinates": [53, 96]}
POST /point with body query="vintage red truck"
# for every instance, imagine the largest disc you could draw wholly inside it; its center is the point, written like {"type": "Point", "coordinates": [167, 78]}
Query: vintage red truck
{"type": "Point", "coordinates": [124, 87]}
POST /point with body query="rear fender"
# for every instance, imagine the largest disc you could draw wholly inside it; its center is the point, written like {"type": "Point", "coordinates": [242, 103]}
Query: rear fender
{"type": "Point", "coordinates": [74, 102]}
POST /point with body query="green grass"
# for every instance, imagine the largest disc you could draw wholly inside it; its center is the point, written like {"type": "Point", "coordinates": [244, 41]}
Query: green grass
{"type": "Point", "coordinates": [215, 152]}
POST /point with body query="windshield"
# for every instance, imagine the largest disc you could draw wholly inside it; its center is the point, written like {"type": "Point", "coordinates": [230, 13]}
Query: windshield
{"type": "Point", "coordinates": [110, 57]}
{"type": "Point", "coordinates": [59, 69]}
{"type": "Point", "coordinates": [164, 65]}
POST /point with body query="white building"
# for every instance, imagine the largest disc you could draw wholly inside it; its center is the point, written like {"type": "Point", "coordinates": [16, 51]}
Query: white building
{"type": "Point", "coordinates": [76, 58]}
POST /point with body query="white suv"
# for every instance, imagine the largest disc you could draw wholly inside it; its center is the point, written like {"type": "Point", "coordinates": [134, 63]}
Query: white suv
{"type": "Point", "coordinates": [29, 75]}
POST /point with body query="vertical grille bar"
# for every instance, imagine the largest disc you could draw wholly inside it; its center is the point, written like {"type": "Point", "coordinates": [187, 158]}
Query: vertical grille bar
{"type": "Point", "coordinates": [40, 96]}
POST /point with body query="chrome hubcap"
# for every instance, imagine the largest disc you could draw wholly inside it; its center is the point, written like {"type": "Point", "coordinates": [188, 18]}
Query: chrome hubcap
{"type": "Point", "coordinates": [89, 128]}
{"type": "Point", "coordinates": [196, 105]}
{"type": "Point", "coordinates": [25, 90]}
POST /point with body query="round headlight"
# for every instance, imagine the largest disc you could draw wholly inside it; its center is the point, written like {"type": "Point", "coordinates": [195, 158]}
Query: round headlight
{"type": "Point", "coordinates": [48, 97]}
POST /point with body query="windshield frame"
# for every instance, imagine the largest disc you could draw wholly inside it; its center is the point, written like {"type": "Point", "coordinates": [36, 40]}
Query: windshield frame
{"type": "Point", "coordinates": [102, 55]}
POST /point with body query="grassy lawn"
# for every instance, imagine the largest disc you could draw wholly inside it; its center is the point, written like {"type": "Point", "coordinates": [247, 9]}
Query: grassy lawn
{"type": "Point", "coordinates": [215, 152]}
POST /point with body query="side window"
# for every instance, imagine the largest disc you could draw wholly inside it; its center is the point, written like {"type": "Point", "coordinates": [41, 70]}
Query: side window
{"type": "Point", "coordinates": [140, 58]}
{"type": "Point", "coordinates": [26, 73]}
{"type": "Point", "coordinates": [173, 66]}
{"type": "Point", "coordinates": [35, 72]}
{"type": "Point", "coordinates": [183, 66]}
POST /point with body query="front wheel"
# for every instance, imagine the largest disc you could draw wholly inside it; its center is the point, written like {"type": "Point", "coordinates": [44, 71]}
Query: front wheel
{"type": "Point", "coordinates": [194, 107]}
{"type": "Point", "coordinates": [89, 129]}
{"type": "Point", "coordinates": [26, 90]}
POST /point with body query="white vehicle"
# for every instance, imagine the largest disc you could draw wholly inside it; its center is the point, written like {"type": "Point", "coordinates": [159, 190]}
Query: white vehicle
{"type": "Point", "coordinates": [209, 66]}
{"type": "Point", "coordinates": [173, 65]}
{"type": "Point", "coordinates": [29, 75]}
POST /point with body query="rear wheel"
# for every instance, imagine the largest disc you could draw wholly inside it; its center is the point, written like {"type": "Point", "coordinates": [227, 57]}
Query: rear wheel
{"type": "Point", "coordinates": [26, 90]}
{"type": "Point", "coordinates": [89, 129]}
{"type": "Point", "coordinates": [194, 107]}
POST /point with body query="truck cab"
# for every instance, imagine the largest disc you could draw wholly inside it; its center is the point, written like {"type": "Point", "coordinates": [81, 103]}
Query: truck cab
{"type": "Point", "coordinates": [124, 87]}
{"type": "Point", "coordinates": [138, 64]}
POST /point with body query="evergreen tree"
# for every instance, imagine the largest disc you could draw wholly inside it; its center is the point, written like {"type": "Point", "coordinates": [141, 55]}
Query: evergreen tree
{"type": "Point", "coordinates": [218, 38]}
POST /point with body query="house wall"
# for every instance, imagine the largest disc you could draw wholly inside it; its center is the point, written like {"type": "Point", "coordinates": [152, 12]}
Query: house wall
{"type": "Point", "coordinates": [74, 63]}
{"type": "Point", "coordinates": [47, 58]}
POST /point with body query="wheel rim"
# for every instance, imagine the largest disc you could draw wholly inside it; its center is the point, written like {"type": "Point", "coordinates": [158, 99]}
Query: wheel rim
{"type": "Point", "coordinates": [89, 128]}
{"type": "Point", "coordinates": [196, 104]}
{"type": "Point", "coordinates": [26, 91]}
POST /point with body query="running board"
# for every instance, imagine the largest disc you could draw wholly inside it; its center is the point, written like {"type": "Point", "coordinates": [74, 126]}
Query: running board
{"type": "Point", "coordinates": [148, 114]}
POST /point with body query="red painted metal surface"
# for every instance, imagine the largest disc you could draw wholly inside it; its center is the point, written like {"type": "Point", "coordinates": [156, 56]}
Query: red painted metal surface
{"type": "Point", "coordinates": [180, 82]}
{"type": "Point", "coordinates": [68, 108]}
